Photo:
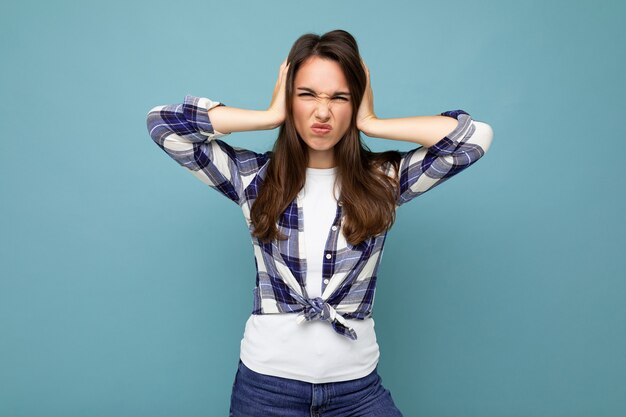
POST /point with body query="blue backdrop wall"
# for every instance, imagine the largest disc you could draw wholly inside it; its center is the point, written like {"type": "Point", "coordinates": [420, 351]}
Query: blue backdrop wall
{"type": "Point", "coordinates": [125, 282]}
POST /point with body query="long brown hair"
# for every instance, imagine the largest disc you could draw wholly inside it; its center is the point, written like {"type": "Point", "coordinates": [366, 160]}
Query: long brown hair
{"type": "Point", "coordinates": [368, 195]}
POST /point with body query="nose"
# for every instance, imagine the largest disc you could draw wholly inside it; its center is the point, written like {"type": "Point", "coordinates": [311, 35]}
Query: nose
{"type": "Point", "coordinates": [322, 109]}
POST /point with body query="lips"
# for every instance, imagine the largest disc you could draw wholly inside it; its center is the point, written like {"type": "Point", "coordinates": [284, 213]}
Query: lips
{"type": "Point", "coordinates": [321, 126]}
{"type": "Point", "coordinates": [321, 129]}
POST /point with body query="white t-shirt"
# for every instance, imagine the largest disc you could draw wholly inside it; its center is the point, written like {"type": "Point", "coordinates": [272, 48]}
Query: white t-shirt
{"type": "Point", "coordinates": [274, 344]}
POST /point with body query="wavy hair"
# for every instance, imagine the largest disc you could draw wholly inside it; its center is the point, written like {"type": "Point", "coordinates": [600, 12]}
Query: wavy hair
{"type": "Point", "coordinates": [367, 194]}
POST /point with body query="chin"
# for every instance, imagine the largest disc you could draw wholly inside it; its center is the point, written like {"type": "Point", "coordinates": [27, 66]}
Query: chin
{"type": "Point", "coordinates": [323, 147]}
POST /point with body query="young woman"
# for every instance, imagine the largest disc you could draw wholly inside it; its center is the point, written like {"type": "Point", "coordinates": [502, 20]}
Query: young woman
{"type": "Point", "coordinates": [318, 207]}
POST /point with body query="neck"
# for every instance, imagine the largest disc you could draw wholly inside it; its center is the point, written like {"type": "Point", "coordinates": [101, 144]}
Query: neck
{"type": "Point", "coordinates": [322, 159]}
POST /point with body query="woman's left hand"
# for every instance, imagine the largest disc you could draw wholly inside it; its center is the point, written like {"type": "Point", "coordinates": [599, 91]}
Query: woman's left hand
{"type": "Point", "coordinates": [366, 110]}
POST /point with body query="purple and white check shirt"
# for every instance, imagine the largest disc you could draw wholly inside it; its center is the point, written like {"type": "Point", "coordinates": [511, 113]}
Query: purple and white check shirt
{"type": "Point", "coordinates": [185, 133]}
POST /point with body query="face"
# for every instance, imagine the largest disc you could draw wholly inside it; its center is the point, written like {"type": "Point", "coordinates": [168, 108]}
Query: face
{"type": "Point", "coordinates": [321, 95]}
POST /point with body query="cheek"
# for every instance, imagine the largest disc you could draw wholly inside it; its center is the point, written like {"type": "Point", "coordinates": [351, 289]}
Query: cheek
{"type": "Point", "coordinates": [345, 117]}
{"type": "Point", "coordinates": [299, 112]}
{"type": "Point", "coordinates": [300, 118]}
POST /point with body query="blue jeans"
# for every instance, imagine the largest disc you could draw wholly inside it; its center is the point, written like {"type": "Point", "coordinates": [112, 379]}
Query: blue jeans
{"type": "Point", "coordinates": [256, 394]}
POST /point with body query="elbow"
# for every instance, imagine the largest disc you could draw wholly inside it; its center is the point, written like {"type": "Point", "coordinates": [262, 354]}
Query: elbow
{"type": "Point", "coordinates": [153, 120]}
{"type": "Point", "coordinates": [483, 136]}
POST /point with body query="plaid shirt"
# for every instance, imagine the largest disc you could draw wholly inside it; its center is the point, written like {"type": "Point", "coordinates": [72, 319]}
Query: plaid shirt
{"type": "Point", "coordinates": [185, 133]}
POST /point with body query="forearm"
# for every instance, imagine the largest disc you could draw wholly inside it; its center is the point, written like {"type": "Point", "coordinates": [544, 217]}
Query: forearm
{"type": "Point", "coordinates": [226, 119]}
{"type": "Point", "coordinates": [423, 130]}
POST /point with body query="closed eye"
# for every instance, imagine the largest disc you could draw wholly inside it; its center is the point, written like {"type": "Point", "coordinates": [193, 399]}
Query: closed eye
{"type": "Point", "coordinates": [309, 94]}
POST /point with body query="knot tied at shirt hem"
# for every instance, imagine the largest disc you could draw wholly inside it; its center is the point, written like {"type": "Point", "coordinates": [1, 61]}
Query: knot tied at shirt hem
{"type": "Point", "coordinates": [317, 309]}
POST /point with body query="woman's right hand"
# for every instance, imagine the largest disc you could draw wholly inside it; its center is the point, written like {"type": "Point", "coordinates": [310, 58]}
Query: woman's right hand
{"type": "Point", "coordinates": [278, 108]}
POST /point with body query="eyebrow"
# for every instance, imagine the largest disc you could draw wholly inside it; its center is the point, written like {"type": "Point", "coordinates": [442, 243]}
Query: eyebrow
{"type": "Point", "coordinates": [343, 93]}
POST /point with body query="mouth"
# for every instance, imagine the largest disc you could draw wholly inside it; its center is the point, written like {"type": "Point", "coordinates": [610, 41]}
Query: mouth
{"type": "Point", "coordinates": [321, 129]}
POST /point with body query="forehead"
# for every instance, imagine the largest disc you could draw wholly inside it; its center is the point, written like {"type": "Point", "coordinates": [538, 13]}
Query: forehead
{"type": "Point", "coordinates": [321, 75]}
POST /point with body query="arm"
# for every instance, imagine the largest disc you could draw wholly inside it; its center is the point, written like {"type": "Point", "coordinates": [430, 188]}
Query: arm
{"type": "Point", "coordinates": [424, 168]}
{"type": "Point", "coordinates": [451, 142]}
{"type": "Point", "coordinates": [186, 134]}
{"type": "Point", "coordinates": [231, 119]}
{"type": "Point", "coordinates": [423, 130]}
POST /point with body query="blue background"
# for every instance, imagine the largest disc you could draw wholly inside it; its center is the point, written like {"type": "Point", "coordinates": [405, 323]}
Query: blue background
{"type": "Point", "coordinates": [125, 282]}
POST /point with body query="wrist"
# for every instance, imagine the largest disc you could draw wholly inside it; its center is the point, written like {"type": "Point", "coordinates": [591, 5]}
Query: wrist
{"type": "Point", "coordinates": [272, 119]}
{"type": "Point", "coordinates": [368, 126]}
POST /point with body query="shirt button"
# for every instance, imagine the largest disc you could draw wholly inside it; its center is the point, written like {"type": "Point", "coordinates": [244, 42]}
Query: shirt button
{"type": "Point", "coordinates": [328, 256]}
{"type": "Point", "coordinates": [334, 227]}
{"type": "Point", "coordinates": [340, 203]}
{"type": "Point", "coordinates": [326, 281]}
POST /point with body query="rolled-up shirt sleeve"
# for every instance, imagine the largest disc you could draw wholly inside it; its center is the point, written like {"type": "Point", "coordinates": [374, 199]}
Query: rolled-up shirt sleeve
{"type": "Point", "coordinates": [184, 131]}
{"type": "Point", "coordinates": [424, 168]}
